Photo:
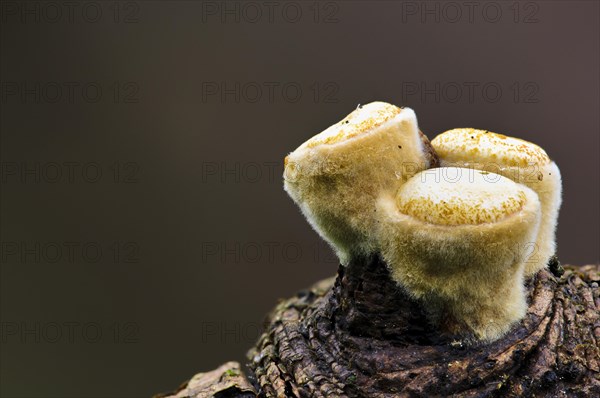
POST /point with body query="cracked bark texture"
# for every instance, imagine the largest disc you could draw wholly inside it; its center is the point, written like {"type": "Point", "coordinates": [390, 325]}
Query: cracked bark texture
{"type": "Point", "coordinates": [359, 335]}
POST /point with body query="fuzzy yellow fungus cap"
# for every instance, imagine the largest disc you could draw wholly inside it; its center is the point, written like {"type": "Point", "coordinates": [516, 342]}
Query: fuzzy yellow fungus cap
{"type": "Point", "coordinates": [519, 160]}
{"type": "Point", "coordinates": [337, 176]}
{"type": "Point", "coordinates": [457, 239]}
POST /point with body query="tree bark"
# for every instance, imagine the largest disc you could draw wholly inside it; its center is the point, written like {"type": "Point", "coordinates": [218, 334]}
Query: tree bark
{"type": "Point", "coordinates": [360, 335]}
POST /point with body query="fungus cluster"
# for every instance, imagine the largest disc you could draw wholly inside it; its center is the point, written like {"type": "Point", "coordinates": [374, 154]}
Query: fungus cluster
{"type": "Point", "coordinates": [460, 221]}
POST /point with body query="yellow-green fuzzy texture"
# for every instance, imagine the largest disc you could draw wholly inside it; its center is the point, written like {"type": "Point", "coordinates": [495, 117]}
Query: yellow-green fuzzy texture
{"type": "Point", "coordinates": [519, 160]}
{"type": "Point", "coordinates": [470, 275]}
{"type": "Point", "coordinates": [336, 177]}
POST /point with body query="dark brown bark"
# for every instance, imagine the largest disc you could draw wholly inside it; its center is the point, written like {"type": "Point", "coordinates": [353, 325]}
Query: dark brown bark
{"type": "Point", "coordinates": [359, 335]}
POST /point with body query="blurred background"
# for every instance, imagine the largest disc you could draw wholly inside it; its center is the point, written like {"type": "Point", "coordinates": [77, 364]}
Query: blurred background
{"type": "Point", "coordinates": [144, 229]}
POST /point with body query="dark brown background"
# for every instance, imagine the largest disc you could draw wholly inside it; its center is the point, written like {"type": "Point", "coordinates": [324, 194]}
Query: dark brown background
{"type": "Point", "coordinates": [180, 308]}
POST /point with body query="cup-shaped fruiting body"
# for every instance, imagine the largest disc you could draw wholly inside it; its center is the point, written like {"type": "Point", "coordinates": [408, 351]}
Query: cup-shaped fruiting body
{"type": "Point", "coordinates": [336, 176]}
{"type": "Point", "coordinates": [519, 160]}
{"type": "Point", "coordinates": [454, 237]}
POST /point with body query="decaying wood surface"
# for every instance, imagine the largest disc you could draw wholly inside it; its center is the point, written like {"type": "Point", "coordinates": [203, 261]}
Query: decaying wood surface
{"type": "Point", "coordinates": [359, 335]}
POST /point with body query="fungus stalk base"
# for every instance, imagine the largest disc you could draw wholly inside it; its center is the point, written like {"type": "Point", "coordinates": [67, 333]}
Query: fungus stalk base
{"type": "Point", "coordinates": [358, 335]}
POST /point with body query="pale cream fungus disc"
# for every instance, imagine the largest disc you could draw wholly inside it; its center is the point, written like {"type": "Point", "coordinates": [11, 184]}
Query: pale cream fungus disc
{"type": "Point", "coordinates": [460, 196]}
{"type": "Point", "coordinates": [472, 145]}
{"type": "Point", "coordinates": [361, 120]}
